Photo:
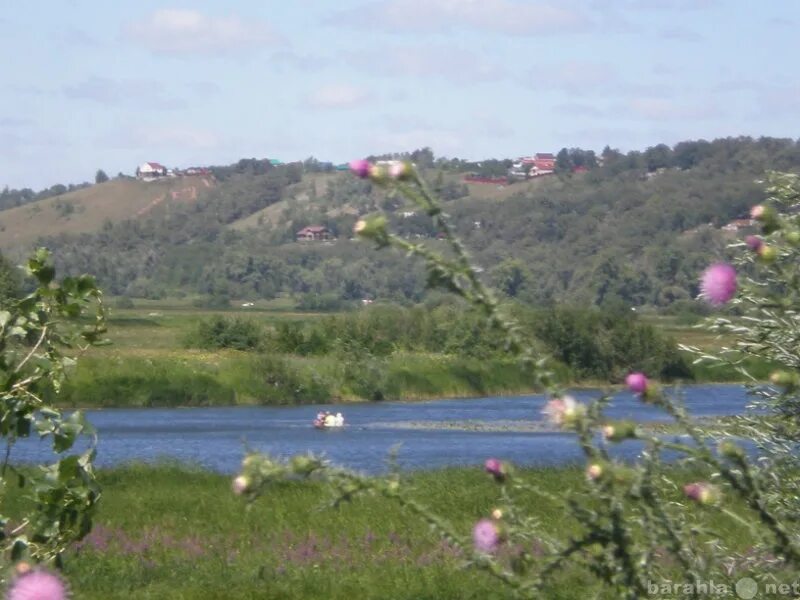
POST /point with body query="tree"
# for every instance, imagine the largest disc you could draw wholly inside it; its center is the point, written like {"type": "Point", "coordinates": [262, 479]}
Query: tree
{"type": "Point", "coordinates": [100, 176]}
{"type": "Point", "coordinates": [9, 282]}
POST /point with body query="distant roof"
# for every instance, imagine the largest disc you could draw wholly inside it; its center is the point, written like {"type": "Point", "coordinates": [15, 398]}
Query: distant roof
{"type": "Point", "coordinates": [313, 229]}
{"type": "Point", "coordinates": [155, 165]}
{"type": "Point", "coordinates": [541, 155]}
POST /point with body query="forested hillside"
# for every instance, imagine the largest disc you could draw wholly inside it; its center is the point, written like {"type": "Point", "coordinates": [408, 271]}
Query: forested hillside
{"type": "Point", "coordinates": [627, 229]}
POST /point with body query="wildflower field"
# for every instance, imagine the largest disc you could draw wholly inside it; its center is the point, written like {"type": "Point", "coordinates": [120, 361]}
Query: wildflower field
{"type": "Point", "coordinates": [170, 532]}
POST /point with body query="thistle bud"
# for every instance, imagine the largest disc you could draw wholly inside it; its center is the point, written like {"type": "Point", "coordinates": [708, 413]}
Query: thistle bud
{"type": "Point", "coordinates": [767, 254]}
{"type": "Point", "coordinates": [378, 173]}
{"type": "Point", "coordinates": [759, 212]}
{"type": "Point", "coordinates": [619, 431]}
{"type": "Point", "coordinates": [240, 485]}
{"type": "Point", "coordinates": [793, 237]}
{"type": "Point", "coordinates": [785, 379]}
{"type": "Point", "coordinates": [400, 170]}
{"type": "Point", "coordinates": [373, 228]}
{"type": "Point", "coordinates": [701, 492]}
{"type": "Point", "coordinates": [303, 465]}
{"type": "Point", "coordinates": [594, 472]}
{"type": "Point", "coordinates": [730, 450]}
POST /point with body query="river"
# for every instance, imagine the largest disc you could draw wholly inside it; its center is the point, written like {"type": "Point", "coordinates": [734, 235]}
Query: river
{"type": "Point", "coordinates": [428, 434]}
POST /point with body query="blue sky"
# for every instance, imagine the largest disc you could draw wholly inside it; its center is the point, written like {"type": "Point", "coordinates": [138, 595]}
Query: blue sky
{"type": "Point", "coordinates": [90, 84]}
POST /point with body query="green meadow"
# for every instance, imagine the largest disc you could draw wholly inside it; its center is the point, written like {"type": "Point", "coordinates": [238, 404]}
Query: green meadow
{"type": "Point", "coordinates": [171, 532]}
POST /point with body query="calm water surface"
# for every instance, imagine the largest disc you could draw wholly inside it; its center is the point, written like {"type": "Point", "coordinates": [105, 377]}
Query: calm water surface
{"type": "Point", "coordinates": [217, 438]}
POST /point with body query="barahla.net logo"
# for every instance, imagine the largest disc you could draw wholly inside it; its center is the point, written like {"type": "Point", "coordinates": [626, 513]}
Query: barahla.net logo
{"type": "Point", "coordinates": [745, 588]}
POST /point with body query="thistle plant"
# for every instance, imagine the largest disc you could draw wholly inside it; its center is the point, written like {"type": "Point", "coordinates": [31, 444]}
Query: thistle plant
{"type": "Point", "coordinates": [629, 524]}
{"type": "Point", "coordinates": [41, 336]}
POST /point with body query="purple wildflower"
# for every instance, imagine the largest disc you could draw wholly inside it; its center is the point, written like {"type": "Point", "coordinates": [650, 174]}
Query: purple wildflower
{"type": "Point", "coordinates": [754, 242]}
{"type": "Point", "coordinates": [360, 168]}
{"type": "Point", "coordinates": [701, 492]}
{"type": "Point", "coordinates": [637, 383]}
{"type": "Point", "coordinates": [496, 467]}
{"type": "Point", "coordinates": [37, 584]}
{"type": "Point", "coordinates": [718, 284]}
{"type": "Point", "coordinates": [485, 535]}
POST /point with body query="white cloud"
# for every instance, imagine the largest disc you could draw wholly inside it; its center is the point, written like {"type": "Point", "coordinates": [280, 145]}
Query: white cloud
{"type": "Point", "coordinates": [337, 95]}
{"type": "Point", "coordinates": [662, 108]}
{"type": "Point", "coordinates": [435, 61]}
{"type": "Point", "coordinates": [681, 34]}
{"type": "Point", "coordinates": [512, 17]}
{"type": "Point", "coordinates": [187, 32]}
{"type": "Point", "coordinates": [575, 77]}
{"type": "Point", "coordinates": [144, 93]}
{"type": "Point", "coordinates": [149, 138]}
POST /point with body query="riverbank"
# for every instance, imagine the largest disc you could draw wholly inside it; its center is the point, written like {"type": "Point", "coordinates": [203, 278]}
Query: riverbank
{"type": "Point", "coordinates": [171, 532]}
{"type": "Point", "coordinates": [154, 361]}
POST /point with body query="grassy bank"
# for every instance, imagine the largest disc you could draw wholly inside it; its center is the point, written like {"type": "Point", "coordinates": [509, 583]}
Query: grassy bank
{"type": "Point", "coordinates": [169, 532]}
{"type": "Point", "coordinates": [226, 378]}
{"type": "Point", "coordinates": [155, 361]}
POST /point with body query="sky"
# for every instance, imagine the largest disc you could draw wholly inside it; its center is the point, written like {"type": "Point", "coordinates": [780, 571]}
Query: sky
{"type": "Point", "coordinates": [90, 84]}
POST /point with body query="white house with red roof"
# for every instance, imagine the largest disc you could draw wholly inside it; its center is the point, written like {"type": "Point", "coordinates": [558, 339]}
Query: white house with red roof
{"type": "Point", "coordinates": [151, 170]}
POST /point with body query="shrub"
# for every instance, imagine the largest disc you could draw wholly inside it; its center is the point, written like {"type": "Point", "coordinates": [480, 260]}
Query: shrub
{"type": "Point", "coordinates": [222, 332]}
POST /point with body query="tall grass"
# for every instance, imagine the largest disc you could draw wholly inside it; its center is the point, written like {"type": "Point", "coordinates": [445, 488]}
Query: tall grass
{"type": "Point", "coordinates": [173, 532]}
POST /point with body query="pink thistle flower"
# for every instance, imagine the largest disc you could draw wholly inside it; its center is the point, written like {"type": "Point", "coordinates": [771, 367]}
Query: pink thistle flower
{"type": "Point", "coordinates": [485, 535]}
{"type": "Point", "coordinates": [718, 284]}
{"type": "Point", "coordinates": [360, 168]}
{"type": "Point", "coordinates": [497, 468]}
{"type": "Point", "coordinates": [560, 411]}
{"type": "Point", "coordinates": [754, 242]}
{"type": "Point", "coordinates": [637, 383]}
{"type": "Point", "coordinates": [37, 584]}
{"type": "Point", "coordinates": [701, 492]}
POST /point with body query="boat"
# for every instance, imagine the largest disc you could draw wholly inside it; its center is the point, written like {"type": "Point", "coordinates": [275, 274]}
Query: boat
{"type": "Point", "coordinates": [326, 420]}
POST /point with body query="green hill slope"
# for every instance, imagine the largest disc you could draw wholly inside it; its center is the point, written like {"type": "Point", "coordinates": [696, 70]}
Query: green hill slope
{"type": "Point", "coordinates": [636, 230]}
{"type": "Point", "coordinates": [87, 209]}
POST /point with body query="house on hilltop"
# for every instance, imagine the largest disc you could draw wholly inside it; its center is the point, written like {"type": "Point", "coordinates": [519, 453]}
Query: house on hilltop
{"type": "Point", "coordinates": [541, 163]}
{"type": "Point", "coordinates": [544, 161]}
{"type": "Point", "coordinates": [314, 233]}
{"type": "Point", "coordinates": [151, 170]}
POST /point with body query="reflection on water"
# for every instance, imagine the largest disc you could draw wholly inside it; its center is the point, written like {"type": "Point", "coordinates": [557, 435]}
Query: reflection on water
{"type": "Point", "coordinates": [217, 438]}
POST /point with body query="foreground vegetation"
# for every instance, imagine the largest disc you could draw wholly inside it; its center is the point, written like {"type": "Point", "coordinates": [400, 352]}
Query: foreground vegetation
{"type": "Point", "coordinates": [173, 532]}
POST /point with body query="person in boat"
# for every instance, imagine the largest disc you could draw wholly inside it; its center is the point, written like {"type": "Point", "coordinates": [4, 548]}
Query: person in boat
{"type": "Point", "coordinates": [339, 419]}
{"type": "Point", "coordinates": [330, 420]}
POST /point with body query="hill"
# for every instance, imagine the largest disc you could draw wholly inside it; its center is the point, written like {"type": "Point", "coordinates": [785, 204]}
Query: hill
{"type": "Point", "coordinates": [88, 209]}
{"type": "Point", "coordinates": [623, 229]}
